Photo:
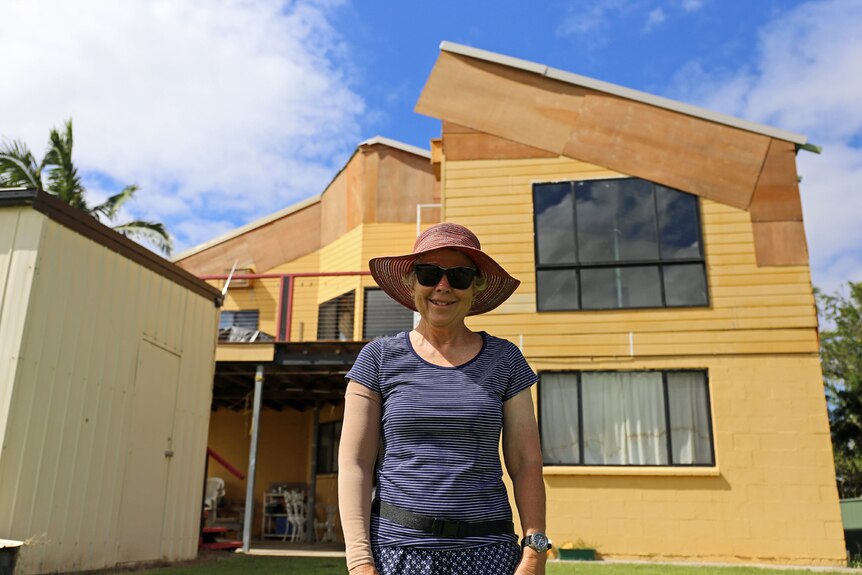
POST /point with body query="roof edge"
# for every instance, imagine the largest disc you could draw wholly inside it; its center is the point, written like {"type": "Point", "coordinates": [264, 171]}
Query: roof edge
{"type": "Point", "coordinates": [236, 232]}
{"type": "Point", "coordinates": [397, 145]}
{"type": "Point", "coordinates": [301, 204]}
{"type": "Point", "coordinates": [628, 93]}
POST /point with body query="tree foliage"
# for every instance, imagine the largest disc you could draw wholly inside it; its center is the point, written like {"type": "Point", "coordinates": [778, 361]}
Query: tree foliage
{"type": "Point", "coordinates": [19, 168]}
{"type": "Point", "coordinates": [841, 355]}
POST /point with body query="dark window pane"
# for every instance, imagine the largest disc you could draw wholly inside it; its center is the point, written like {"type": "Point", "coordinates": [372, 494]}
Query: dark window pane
{"type": "Point", "coordinates": [555, 226]}
{"type": "Point", "coordinates": [679, 224]}
{"type": "Point", "coordinates": [335, 318]}
{"type": "Point", "coordinates": [247, 319]}
{"type": "Point", "coordinates": [604, 288]}
{"type": "Point", "coordinates": [616, 221]}
{"type": "Point", "coordinates": [557, 289]}
{"type": "Point", "coordinates": [685, 285]}
{"type": "Point", "coordinates": [383, 315]}
{"type": "Point", "coordinates": [328, 438]}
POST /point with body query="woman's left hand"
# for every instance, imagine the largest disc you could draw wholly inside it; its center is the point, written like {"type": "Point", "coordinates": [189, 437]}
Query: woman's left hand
{"type": "Point", "coordinates": [531, 565]}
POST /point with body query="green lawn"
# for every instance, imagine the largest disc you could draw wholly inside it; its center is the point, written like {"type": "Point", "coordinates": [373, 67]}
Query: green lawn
{"type": "Point", "coordinates": [256, 565]}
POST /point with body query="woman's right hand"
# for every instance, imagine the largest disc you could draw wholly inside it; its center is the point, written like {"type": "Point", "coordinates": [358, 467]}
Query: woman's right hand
{"type": "Point", "coordinates": [364, 569]}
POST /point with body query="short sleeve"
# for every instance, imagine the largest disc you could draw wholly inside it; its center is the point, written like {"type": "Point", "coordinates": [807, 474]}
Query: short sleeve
{"type": "Point", "coordinates": [366, 369]}
{"type": "Point", "coordinates": [521, 375]}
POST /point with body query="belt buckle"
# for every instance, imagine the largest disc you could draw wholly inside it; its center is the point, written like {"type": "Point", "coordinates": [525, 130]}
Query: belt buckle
{"type": "Point", "coordinates": [447, 528]}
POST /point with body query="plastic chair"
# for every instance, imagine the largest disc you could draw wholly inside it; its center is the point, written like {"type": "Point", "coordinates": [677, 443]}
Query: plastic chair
{"type": "Point", "coordinates": [213, 494]}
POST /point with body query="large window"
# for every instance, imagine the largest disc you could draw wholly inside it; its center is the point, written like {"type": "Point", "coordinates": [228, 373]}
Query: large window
{"type": "Point", "coordinates": [620, 243]}
{"type": "Point", "coordinates": [625, 418]}
{"type": "Point", "coordinates": [335, 318]}
{"type": "Point", "coordinates": [328, 437]}
{"type": "Point", "coordinates": [383, 315]}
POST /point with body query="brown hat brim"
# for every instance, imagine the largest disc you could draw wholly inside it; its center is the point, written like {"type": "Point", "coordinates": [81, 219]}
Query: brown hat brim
{"type": "Point", "coordinates": [391, 273]}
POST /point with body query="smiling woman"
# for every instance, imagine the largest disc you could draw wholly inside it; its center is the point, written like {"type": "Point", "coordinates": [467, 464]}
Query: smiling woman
{"type": "Point", "coordinates": [441, 506]}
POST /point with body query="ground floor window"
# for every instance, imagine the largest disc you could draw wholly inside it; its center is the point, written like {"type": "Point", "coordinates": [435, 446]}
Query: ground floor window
{"type": "Point", "coordinates": [625, 418]}
{"type": "Point", "coordinates": [328, 438]}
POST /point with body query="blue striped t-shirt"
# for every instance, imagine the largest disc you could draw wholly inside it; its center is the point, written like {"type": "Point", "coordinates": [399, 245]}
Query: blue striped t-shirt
{"type": "Point", "coordinates": [441, 431]}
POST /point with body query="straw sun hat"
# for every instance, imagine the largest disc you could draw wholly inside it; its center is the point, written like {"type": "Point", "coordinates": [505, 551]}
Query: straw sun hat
{"type": "Point", "coordinates": [391, 273]}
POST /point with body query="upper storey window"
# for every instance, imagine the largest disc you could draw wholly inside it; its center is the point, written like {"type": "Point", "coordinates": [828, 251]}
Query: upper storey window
{"type": "Point", "coordinates": [618, 243]}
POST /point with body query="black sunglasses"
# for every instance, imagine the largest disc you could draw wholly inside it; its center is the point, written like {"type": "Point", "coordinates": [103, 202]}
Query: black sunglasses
{"type": "Point", "coordinates": [429, 275]}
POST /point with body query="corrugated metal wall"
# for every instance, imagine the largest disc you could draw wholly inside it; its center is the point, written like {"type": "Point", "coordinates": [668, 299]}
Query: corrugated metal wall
{"type": "Point", "coordinates": [19, 238]}
{"type": "Point", "coordinates": [115, 371]}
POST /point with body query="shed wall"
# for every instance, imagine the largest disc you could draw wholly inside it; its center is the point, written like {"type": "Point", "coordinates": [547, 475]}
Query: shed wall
{"type": "Point", "coordinates": [67, 469]}
{"type": "Point", "coordinates": [19, 244]}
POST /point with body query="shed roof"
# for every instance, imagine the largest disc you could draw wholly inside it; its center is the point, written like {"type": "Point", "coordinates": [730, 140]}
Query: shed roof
{"type": "Point", "coordinates": [91, 228]}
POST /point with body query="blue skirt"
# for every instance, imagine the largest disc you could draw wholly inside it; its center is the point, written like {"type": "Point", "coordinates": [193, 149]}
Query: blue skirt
{"type": "Point", "coordinates": [499, 559]}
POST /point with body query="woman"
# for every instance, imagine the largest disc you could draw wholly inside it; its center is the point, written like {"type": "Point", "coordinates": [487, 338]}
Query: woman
{"type": "Point", "coordinates": [423, 415]}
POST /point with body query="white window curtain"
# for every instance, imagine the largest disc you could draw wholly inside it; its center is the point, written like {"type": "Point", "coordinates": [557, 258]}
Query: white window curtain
{"type": "Point", "coordinates": [560, 418]}
{"type": "Point", "coordinates": [689, 419]}
{"type": "Point", "coordinates": [624, 420]}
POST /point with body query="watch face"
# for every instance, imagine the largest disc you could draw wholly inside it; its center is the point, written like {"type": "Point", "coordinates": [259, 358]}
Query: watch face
{"type": "Point", "coordinates": [539, 542]}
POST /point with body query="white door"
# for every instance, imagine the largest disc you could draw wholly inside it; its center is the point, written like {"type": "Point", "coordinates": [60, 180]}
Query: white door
{"type": "Point", "coordinates": [145, 482]}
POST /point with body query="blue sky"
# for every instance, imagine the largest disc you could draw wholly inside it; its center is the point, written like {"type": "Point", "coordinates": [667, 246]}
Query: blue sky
{"type": "Point", "coordinates": [225, 111]}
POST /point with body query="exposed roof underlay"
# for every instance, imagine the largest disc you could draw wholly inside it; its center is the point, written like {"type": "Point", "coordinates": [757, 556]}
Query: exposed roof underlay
{"type": "Point", "coordinates": [300, 376]}
{"type": "Point", "coordinates": [724, 159]}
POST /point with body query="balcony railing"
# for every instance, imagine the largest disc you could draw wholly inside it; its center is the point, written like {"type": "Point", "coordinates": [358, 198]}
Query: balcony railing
{"type": "Point", "coordinates": [316, 306]}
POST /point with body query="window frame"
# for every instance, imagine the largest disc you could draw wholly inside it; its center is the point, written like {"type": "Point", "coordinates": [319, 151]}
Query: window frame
{"type": "Point", "coordinates": [666, 402]}
{"type": "Point", "coordinates": [579, 266]}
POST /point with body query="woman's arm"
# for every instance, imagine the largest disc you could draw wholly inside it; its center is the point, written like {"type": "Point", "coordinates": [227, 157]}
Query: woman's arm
{"type": "Point", "coordinates": [523, 456]}
{"type": "Point", "coordinates": [357, 453]}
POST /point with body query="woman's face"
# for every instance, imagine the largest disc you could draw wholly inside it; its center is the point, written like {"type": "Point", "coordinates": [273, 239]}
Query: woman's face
{"type": "Point", "coordinates": [442, 305]}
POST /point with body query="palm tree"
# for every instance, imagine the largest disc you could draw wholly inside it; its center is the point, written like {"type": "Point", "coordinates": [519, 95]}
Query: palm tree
{"type": "Point", "coordinates": [18, 168]}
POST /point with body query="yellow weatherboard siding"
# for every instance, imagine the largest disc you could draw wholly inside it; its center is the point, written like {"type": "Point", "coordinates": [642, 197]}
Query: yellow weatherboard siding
{"type": "Point", "coordinates": [771, 496]}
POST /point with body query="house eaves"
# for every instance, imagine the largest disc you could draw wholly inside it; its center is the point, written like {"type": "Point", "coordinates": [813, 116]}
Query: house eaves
{"type": "Point", "coordinates": [621, 91]}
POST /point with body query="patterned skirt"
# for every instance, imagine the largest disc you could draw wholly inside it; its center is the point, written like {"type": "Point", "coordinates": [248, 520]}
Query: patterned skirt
{"type": "Point", "coordinates": [499, 559]}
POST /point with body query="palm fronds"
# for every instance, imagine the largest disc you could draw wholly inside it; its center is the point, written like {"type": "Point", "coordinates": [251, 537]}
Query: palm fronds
{"type": "Point", "coordinates": [18, 168]}
{"type": "Point", "coordinates": [152, 232]}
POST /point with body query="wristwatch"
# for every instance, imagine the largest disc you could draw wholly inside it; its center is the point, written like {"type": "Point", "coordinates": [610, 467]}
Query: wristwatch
{"type": "Point", "coordinates": [536, 541]}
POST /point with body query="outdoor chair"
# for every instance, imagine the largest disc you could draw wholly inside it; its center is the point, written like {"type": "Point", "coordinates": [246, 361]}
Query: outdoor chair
{"type": "Point", "coordinates": [213, 494]}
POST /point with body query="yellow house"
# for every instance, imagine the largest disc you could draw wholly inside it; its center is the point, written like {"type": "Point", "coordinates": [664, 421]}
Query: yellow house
{"type": "Point", "coordinates": [666, 304]}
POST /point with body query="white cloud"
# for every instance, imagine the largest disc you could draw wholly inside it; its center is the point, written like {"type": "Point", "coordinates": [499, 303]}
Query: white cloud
{"type": "Point", "coordinates": [692, 5]}
{"type": "Point", "coordinates": [222, 110]}
{"type": "Point", "coordinates": [588, 17]}
{"type": "Point", "coordinates": [805, 78]}
{"type": "Point", "coordinates": [654, 18]}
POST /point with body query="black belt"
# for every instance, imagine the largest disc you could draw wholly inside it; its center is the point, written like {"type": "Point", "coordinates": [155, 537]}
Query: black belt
{"type": "Point", "coordinates": [439, 526]}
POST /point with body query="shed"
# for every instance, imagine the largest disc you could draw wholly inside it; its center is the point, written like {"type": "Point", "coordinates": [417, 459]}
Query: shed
{"type": "Point", "coordinates": [106, 368]}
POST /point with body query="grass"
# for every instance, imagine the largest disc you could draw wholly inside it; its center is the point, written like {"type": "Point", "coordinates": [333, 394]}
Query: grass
{"type": "Point", "coordinates": [231, 564]}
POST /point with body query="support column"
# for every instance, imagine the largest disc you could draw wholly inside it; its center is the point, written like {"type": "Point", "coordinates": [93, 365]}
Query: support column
{"type": "Point", "coordinates": [252, 460]}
